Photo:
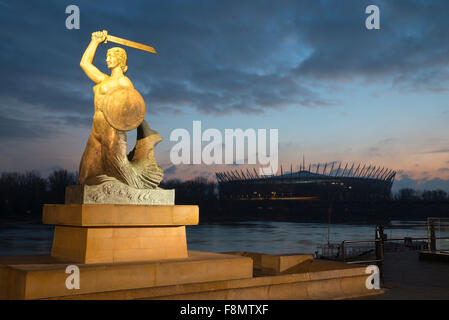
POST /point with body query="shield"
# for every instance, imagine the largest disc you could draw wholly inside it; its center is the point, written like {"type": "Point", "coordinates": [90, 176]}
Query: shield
{"type": "Point", "coordinates": [124, 109]}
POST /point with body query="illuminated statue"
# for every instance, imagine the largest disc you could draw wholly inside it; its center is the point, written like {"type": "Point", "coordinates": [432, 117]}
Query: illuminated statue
{"type": "Point", "coordinates": [118, 108]}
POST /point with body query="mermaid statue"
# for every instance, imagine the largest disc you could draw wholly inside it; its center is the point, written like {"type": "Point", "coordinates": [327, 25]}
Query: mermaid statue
{"type": "Point", "coordinates": [118, 108]}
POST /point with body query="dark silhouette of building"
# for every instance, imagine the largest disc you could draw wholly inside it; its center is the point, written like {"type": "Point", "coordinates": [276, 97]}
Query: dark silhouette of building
{"type": "Point", "coordinates": [361, 184]}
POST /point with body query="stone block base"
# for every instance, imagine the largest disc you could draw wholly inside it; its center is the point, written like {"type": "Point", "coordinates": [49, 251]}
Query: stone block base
{"type": "Point", "coordinates": [112, 233]}
{"type": "Point", "coordinates": [111, 245]}
{"type": "Point", "coordinates": [275, 263]}
{"type": "Point", "coordinates": [115, 192]}
{"type": "Point", "coordinates": [119, 215]}
{"type": "Point", "coordinates": [39, 277]}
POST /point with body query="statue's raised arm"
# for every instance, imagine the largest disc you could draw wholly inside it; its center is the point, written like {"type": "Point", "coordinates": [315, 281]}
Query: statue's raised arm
{"type": "Point", "coordinates": [86, 61]}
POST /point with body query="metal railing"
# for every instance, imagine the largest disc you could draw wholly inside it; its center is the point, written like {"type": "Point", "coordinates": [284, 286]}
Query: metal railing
{"type": "Point", "coordinates": [343, 251]}
{"type": "Point", "coordinates": [381, 238]}
{"type": "Point", "coordinates": [435, 225]}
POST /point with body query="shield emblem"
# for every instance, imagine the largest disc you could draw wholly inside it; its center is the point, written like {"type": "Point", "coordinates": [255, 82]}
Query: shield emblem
{"type": "Point", "coordinates": [124, 109]}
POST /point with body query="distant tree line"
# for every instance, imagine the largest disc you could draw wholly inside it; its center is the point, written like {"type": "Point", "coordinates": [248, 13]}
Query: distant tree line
{"type": "Point", "coordinates": [408, 194]}
{"type": "Point", "coordinates": [196, 191]}
{"type": "Point", "coordinates": [25, 193]}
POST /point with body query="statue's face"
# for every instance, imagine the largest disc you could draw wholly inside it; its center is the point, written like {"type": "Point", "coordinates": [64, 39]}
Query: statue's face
{"type": "Point", "coordinates": [112, 60]}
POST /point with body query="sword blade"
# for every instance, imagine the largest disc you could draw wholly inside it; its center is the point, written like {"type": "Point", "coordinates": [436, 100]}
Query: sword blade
{"type": "Point", "coordinates": [129, 43]}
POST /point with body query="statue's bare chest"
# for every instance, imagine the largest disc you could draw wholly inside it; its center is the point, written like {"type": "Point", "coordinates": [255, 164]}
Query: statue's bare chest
{"type": "Point", "coordinates": [106, 86]}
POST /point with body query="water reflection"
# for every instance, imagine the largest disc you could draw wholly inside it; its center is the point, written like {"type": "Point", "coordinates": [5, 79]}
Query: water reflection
{"type": "Point", "coordinates": [267, 237]}
{"type": "Point", "coordinates": [281, 237]}
{"type": "Point", "coordinates": [25, 238]}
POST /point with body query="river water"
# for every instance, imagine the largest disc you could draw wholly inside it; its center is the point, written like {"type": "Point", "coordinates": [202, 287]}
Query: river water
{"type": "Point", "coordinates": [19, 238]}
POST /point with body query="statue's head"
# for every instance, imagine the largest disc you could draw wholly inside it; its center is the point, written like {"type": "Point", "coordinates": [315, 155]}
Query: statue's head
{"type": "Point", "coordinates": [116, 57]}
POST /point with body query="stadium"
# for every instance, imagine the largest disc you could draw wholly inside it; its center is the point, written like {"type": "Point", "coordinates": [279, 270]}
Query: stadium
{"type": "Point", "coordinates": [328, 183]}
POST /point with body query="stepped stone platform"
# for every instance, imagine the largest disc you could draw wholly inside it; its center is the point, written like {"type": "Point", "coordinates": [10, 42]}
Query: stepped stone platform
{"type": "Point", "coordinates": [138, 251]}
{"type": "Point", "coordinates": [203, 275]}
{"type": "Point", "coordinates": [38, 277]}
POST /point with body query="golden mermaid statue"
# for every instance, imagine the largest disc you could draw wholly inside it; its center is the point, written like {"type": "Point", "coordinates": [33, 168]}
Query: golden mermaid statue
{"type": "Point", "coordinates": [118, 108]}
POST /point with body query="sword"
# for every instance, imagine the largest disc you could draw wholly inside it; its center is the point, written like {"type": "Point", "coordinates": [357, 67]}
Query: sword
{"type": "Point", "coordinates": [128, 43]}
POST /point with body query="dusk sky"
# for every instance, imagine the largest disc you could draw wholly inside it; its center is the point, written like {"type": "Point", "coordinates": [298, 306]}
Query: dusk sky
{"type": "Point", "coordinates": [334, 90]}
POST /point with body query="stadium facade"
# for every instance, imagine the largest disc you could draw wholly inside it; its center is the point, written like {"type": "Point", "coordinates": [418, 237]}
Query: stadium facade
{"type": "Point", "coordinates": [331, 182]}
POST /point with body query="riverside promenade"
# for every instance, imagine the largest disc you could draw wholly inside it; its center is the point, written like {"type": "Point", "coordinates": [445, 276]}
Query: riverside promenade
{"type": "Point", "coordinates": [408, 278]}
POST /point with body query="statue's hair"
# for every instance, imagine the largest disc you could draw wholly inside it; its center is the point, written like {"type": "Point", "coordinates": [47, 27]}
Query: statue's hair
{"type": "Point", "coordinates": [120, 53]}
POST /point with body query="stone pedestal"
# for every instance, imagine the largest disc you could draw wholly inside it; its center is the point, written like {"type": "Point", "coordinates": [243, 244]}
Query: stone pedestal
{"type": "Point", "coordinates": [105, 233]}
{"type": "Point", "coordinates": [139, 251]}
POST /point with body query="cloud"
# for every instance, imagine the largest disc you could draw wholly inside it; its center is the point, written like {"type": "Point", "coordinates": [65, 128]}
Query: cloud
{"type": "Point", "coordinates": [405, 181]}
{"type": "Point", "coordinates": [407, 49]}
{"type": "Point", "coordinates": [444, 150]}
{"type": "Point", "coordinates": [435, 184]}
{"type": "Point", "coordinates": [11, 127]}
{"type": "Point", "coordinates": [170, 170]}
{"type": "Point", "coordinates": [221, 57]}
